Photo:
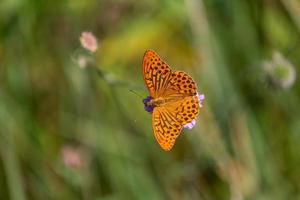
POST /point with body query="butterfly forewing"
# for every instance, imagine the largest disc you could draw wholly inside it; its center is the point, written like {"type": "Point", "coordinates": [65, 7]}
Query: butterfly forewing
{"type": "Point", "coordinates": [166, 128]}
{"type": "Point", "coordinates": [168, 121]}
{"type": "Point", "coordinates": [156, 73]}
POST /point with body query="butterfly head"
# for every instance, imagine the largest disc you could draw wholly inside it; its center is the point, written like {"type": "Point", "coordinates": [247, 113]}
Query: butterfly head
{"type": "Point", "coordinates": [147, 107]}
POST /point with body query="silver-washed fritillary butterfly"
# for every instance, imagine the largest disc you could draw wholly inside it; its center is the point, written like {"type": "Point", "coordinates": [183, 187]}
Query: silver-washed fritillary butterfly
{"type": "Point", "coordinates": [173, 99]}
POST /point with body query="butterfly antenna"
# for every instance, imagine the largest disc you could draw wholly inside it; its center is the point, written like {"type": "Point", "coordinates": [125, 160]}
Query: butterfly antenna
{"type": "Point", "coordinates": [137, 94]}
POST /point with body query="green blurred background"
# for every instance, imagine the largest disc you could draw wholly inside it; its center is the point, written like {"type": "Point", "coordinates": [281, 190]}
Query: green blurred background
{"type": "Point", "coordinates": [71, 132]}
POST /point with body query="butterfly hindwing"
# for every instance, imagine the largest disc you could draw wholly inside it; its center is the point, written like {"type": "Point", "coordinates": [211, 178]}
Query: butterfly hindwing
{"type": "Point", "coordinates": [185, 110]}
{"type": "Point", "coordinates": [156, 73]}
{"type": "Point", "coordinates": [180, 84]}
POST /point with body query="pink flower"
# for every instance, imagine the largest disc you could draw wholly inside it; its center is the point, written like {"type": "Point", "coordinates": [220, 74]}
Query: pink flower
{"type": "Point", "coordinates": [72, 156]}
{"type": "Point", "coordinates": [190, 125]}
{"type": "Point", "coordinates": [200, 99]}
{"type": "Point", "coordinates": [89, 41]}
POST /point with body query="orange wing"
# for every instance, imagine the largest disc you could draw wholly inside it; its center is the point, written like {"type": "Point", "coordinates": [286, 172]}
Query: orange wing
{"type": "Point", "coordinates": [180, 84]}
{"type": "Point", "coordinates": [166, 128]}
{"type": "Point", "coordinates": [156, 73]}
{"type": "Point", "coordinates": [182, 87]}
{"type": "Point", "coordinates": [168, 121]}
{"type": "Point", "coordinates": [185, 110]}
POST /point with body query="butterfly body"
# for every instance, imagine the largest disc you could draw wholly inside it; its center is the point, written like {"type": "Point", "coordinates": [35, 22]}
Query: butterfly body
{"type": "Point", "coordinates": [173, 99]}
{"type": "Point", "coordinates": [161, 101]}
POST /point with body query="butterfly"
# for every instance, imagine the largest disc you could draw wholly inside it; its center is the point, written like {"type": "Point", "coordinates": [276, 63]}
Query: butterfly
{"type": "Point", "coordinates": [173, 99]}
